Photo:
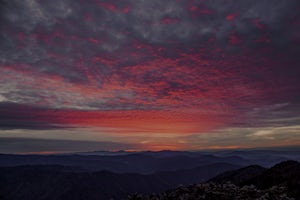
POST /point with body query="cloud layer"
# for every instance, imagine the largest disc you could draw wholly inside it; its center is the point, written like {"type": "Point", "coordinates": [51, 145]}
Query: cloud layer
{"type": "Point", "coordinates": [162, 67]}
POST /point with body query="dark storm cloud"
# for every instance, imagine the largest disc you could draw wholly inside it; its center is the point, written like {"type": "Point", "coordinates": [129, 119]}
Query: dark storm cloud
{"type": "Point", "coordinates": [7, 124]}
{"type": "Point", "coordinates": [31, 145]}
{"type": "Point", "coordinates": [16, 116]}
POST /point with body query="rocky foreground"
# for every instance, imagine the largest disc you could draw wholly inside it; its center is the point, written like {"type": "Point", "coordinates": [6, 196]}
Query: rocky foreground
{"type": "Point", "coordinates": [213, 191]}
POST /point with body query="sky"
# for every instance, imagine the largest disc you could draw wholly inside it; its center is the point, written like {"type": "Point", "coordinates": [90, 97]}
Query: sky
{"type": "Point", "coordinates": [86, 75]}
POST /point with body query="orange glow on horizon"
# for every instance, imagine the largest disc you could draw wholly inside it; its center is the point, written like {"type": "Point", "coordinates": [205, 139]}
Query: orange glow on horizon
{"type": "Point", "coordinates": [138, 120]}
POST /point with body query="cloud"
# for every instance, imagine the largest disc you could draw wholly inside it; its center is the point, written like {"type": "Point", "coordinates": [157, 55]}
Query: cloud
{"type": "Point", "coordinates": [196, 66]}
{"type": "Point", "coordinates": [33, 145]}
{"type": "Point", "coordinates": [64, 37]}
{"type": "Point", "coordinates": [16, 116]}
{"type": "Point", "coordinates": [2, 98]}
{"type": "Point", "coordinates": [244, 137]}
{"type": "Point", "coordinates": [281, 114]}
{"type": "Point", "coordinates": [283, 134]}
{"type": "Point", "coordinates": [29, 14]}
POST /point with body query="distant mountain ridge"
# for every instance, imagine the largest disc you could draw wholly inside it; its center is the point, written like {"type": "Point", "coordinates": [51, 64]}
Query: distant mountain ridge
{"type": "Point", "coordinates": [150, 162]}
{"type": "Point", "coordinates": [132, 163]}
{"type": "Point", "coordinates": [67, 183]}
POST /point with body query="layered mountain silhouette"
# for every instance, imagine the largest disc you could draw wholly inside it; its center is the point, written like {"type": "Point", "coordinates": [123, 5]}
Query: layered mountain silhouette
{"type": "Point", "coordinates": [59, 182]}
{"type": "Point", "coordinates": [109, 175]}
{"type": "Point", "coordinates": [142, 163]}
{"type": "Point", "coordinates": [151, 162]}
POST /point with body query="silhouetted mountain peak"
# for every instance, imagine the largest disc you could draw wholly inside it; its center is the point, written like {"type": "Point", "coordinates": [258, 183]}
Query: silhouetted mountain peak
{"type": "Point", "coordinates": [286, 174]}
{"type": "Point", "coordinates": [286, 165]}
{"type": "Point", "coordinates": [239, 176]}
